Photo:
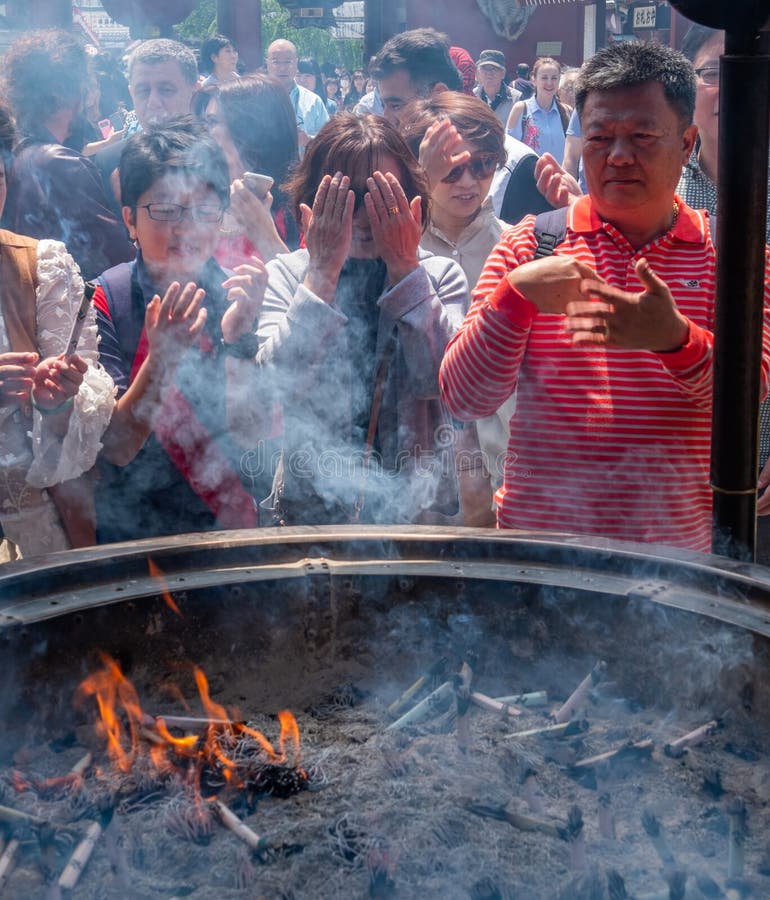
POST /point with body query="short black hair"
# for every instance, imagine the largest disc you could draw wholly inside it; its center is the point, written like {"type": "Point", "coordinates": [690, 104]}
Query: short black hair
{"type": "Point", "coordinates": [632, 63]}
{"type": "Point", "coordinates": [424, 54]}
{"type": "Point", "coordinates": [210, 47]}
{"type": "Point", "coordinates": [695, 37]}
{"type": "Point", "coordinates": [179, 145]}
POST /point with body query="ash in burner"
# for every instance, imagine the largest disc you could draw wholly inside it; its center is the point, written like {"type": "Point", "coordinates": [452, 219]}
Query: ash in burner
{"type": "Point", "coordinates": [524, 772]}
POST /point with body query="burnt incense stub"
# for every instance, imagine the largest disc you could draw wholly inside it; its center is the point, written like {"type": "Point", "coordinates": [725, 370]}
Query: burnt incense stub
{"type": "Point", "coordinates": [393, 716]}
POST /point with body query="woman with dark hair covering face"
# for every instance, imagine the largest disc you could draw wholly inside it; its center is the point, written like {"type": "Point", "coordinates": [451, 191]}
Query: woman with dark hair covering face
{"type": "Point", "coordinates": [353, 329]}
{"type": "Point", "coordinates": [253, 122]}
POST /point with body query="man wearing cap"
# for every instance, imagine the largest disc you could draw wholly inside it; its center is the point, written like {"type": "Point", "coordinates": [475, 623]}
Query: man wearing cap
{"type": "Point", "coordinates": [491, 88]}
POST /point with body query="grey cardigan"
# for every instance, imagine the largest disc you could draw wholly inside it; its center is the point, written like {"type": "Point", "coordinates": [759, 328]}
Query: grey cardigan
{"type": "Point", "coordinates": [304, 354]}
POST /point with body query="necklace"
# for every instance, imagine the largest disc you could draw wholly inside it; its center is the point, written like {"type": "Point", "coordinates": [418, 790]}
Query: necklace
{"type": "Point", "coordinates": [675, 210]}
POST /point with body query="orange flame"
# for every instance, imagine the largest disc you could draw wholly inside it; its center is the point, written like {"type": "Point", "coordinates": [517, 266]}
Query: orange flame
{"type": "Point", "coordinates": [116, 696]}
{"type": "Point", "coordinates": [109, 686]}
{"type": "Point", "coordinates": [289, 731]}
{"type": "Point", "coordinates": [156, 572]}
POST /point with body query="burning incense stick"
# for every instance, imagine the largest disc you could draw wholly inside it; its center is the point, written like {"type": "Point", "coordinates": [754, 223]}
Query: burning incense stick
{"type": "Point", "coordinates": [654, 830]}
{"type": "Point", "coordinates": [606, 813]}
{"type": "Point", "coordinates": [495, 706]}
{"type": "Point", "coordinates": [426, 707]}
{"type": "Point", "coordinates": [578, 697]}
{"type": "Point", "coordinates": [196, 723]}
{"type": "Point", "coordinates": [576, 838]}
{"type": "Point", "coordinates": [566, 729]}
{"type": "Point", "coordinates": [518, 820]}
{"type": "Point", "coordinates": [77, 862]}
{"type": "Point", "coordinates": [435, 671]}
{"type": "Point", "coordinates": [628, 750]}
{"type": "Point", "coordinates": [14, 817]}
{"type": "Point", "coordinates": [534, 698]}
{"type": "Point", "coordinates": [679, 747]}
{"type": "Point", "coordinates": [82, 765]}
{"type": "Point", "coordinates": [8, 862]}
{"type": "Point", "coordinates": [530, 791]}
{"type": "Point", "coordinates": [736, 810]}
{"type": "Point", "coordinates": [606, 816]}
{"type": "Point", "coordinates": [463, 680]}
{"type": "Point", "coordinates": [238, 828]}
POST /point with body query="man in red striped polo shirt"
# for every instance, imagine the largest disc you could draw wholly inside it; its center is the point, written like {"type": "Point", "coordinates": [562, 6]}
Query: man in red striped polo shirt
{"type": "Point", "coordinates": [608, 342]}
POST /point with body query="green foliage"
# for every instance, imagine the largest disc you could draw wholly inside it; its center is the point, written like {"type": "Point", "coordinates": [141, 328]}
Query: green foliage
{"type": "Point", "coordinates": [200, 24]}
{"type": "Point", "coordinates": [317, 42]}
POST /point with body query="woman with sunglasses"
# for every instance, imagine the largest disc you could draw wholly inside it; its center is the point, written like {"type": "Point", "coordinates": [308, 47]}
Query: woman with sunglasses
{"type": "Point", "coordinates": [353, 330]}
{"type": "Point", "coordinates": [459, 141]}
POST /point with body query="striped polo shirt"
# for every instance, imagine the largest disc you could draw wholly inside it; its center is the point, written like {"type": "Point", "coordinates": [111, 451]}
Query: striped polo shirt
{"type": "Point", "coordinates": [604, 440]}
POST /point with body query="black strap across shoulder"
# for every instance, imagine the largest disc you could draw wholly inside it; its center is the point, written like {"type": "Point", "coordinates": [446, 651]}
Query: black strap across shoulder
{"type": "Point", "coordinates": [550, 230]}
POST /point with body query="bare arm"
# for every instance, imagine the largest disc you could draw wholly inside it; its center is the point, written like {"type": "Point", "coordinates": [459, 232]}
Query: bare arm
{"type": "Point", "coordinates": [517, 111]}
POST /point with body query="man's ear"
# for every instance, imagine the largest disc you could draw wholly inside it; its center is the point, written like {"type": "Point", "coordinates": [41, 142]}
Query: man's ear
{"type": "Point", "coordinates": [688, 141]}
{"type": "Point", "coordinates": [129, 220]}
{"type": "Point", "coordinates": [438, 88]}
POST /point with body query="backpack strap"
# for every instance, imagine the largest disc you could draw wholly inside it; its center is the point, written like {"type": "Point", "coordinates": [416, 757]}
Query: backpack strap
{"type": "Point", "coordinates": [550, 229]}
{"type": "Point", "coordinates": [117, 284]}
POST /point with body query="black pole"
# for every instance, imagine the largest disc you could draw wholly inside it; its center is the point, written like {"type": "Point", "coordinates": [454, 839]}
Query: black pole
{"type": "Point", "coordinates": [600, 25]}
{"type": "Point", "coordinates": [744, 119]}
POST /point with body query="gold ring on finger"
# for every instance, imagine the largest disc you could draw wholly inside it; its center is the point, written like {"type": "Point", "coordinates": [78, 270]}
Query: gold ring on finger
{"type": "Point", "coordinates": [393, 210]}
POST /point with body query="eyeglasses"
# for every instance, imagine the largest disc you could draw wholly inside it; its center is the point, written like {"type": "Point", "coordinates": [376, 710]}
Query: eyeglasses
{"type": "Point", "coordinates": [708, 75]}
{"type": "Point", "coordinates": [173, 212]}
{"type": "Point", "coordinates": [480, 166]}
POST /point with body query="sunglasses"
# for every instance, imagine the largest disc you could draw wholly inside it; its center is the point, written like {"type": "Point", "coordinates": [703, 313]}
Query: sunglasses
{"type": "Point", "coordinates": [481, 166]}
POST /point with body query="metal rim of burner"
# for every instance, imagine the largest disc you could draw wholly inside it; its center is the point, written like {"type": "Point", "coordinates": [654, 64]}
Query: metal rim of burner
{"type": "Point", "coordinates": [727, 590]}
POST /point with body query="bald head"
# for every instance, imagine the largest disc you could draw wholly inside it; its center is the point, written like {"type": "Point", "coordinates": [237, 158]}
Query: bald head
{"type": "Point", "coordinates": [281, 60]}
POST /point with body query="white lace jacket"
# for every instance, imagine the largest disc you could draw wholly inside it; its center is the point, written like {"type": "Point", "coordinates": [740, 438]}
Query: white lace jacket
{"type": "Point", "coordinates": [37, 458]}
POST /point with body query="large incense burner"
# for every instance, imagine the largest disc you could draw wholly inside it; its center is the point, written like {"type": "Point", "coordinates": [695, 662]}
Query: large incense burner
{"type": "Point", "coordinates": [328, 712]}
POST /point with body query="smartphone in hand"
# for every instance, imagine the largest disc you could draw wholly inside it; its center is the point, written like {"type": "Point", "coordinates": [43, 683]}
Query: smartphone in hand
{"type": "Point", "coordinates": [258, 184]}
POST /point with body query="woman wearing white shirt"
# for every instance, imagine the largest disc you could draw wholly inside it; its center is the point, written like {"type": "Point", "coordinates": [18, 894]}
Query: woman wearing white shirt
{"type": "Point", "coordinates": [53, 409]}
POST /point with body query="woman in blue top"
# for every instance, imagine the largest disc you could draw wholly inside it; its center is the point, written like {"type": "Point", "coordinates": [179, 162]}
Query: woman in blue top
{"type": "Point", "coordinates": [541, 121]}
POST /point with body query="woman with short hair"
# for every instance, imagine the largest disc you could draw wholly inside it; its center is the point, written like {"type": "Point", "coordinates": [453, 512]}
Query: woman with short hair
{"type": "Point", "coordinates": [218, 61]}
{"type": "Point", "coordinates": [460, 142]}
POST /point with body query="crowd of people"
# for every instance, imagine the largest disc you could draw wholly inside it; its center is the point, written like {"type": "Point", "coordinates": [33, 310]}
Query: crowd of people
{"type": "Point", "coordinates": [299, 296]}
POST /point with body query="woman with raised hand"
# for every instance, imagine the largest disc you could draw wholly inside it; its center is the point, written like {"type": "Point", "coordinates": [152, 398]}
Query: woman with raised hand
{"type": "Point", "coordinates": [259, 220]}
{"type": "Point", "coordinates": [459, 142]}
{"type": "Point", "coordinates": [353, 330]}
